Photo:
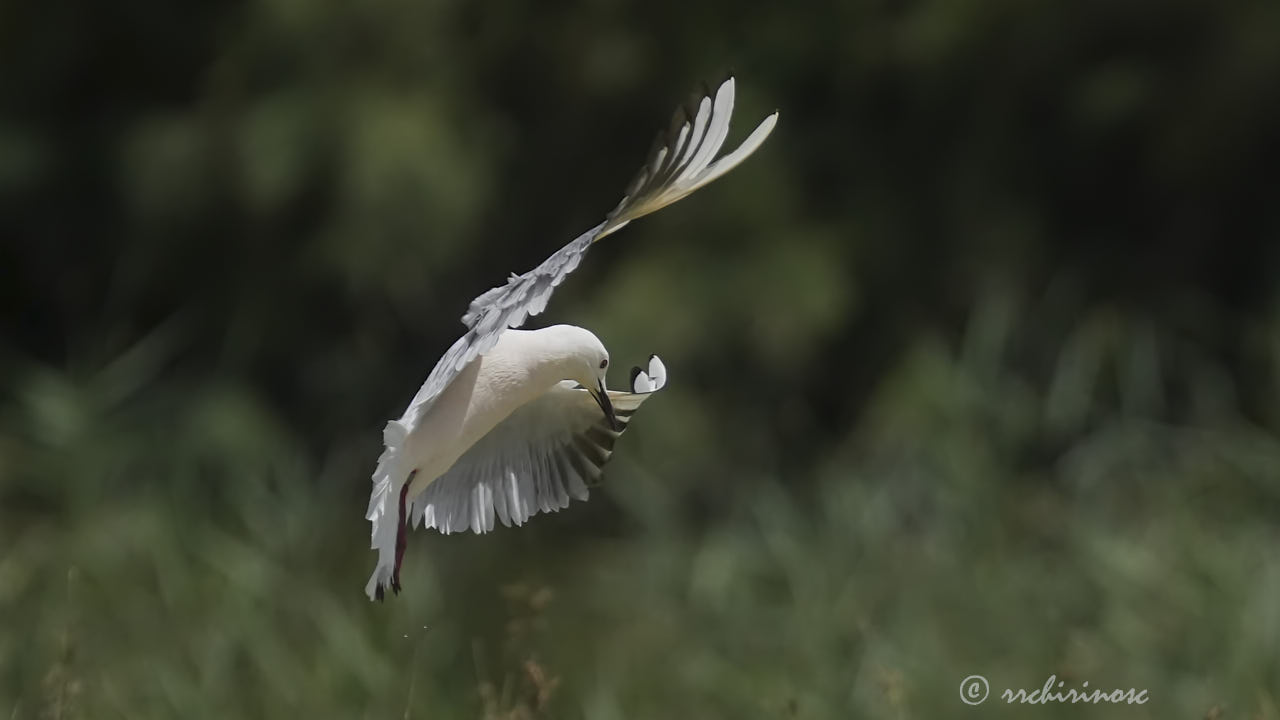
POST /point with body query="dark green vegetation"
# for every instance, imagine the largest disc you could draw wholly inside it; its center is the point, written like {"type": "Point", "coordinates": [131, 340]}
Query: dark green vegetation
{"type": "Point", "coordinates": [975, 366]}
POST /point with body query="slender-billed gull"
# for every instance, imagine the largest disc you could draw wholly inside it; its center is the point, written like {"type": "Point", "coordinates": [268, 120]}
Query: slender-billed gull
{"type": "Point", "coordinates": [515, 422]}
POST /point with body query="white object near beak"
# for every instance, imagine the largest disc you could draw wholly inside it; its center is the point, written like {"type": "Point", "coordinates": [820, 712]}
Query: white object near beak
{"type": "Point", "coordinates": [653, 379]}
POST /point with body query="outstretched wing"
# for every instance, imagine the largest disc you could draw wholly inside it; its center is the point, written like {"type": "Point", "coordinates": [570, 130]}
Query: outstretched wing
{"type": "Point", "coordinates": [681, 161]}
{"type": "Point", "coordinates": [550, 450]}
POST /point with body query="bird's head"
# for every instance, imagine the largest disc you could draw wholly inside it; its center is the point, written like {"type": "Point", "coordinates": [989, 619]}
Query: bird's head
{"type": "Point", "coordinates": [588, 363]}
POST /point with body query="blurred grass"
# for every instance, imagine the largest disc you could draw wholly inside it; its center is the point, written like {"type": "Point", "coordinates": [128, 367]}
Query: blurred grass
{"type": "Point", "coordinates": [933, 544]}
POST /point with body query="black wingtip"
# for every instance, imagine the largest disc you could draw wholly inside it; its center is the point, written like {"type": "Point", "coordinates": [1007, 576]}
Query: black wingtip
{"type": "Point", "coordinates": [379, 594]}
{"type": "Point", "coordinates": [635, 373]}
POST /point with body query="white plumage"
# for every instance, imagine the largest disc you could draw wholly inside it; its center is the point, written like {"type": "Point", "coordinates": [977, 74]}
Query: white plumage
{"type": "Point", "coordinates": [514, 422]}
{"type": "Point", "coordinates": [650, 380]}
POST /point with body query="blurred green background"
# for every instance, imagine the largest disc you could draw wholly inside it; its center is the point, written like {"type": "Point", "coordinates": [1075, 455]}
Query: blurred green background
{"type": "Point", "coordinates": [975, 365]}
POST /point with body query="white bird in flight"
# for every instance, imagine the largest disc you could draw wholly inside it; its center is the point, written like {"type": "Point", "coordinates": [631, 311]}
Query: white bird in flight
{"type": "Point", "coordinates": [509, 422]}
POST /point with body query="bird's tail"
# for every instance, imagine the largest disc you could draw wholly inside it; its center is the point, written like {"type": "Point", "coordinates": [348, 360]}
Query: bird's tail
{"type": "Point", "coordinates": [384, 511]}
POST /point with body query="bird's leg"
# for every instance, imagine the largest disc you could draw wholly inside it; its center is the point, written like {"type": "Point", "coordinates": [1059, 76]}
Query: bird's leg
{"type": "Point", "coordinates": [402, 538]}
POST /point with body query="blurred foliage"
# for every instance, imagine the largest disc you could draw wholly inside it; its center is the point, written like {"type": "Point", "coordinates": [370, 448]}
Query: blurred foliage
{"type": "Point", "coordinates": [975, 366]}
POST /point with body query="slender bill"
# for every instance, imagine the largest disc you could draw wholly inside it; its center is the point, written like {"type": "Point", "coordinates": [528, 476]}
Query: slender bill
{"type": "Point", "coordinates": [606, 405]}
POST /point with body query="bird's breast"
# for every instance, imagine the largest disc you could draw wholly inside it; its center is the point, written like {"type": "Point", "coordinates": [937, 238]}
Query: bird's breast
{"type": "Point", "coordinates": [484, 394]}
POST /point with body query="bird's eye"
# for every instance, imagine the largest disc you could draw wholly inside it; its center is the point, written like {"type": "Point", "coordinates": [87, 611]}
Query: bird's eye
{"type": "Point", "coordinates": [604, 363]}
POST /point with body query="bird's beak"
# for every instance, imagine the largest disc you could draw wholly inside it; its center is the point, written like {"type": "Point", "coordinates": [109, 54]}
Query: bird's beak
{"type": "Point", "coordinates": [606, 405]}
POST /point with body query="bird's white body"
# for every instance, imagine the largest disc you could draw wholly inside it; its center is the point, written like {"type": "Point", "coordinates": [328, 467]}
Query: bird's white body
{"type": "Point", "coordinates": [435, 432]}
{"type": "Point", "coordinates": [523, 365]}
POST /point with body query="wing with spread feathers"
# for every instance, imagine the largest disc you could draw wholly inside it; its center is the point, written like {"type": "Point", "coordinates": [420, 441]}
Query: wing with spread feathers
{"type": "Point", "coordinates": [682, 160]}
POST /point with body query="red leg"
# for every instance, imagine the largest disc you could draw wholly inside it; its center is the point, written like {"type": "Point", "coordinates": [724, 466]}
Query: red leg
{"type": "Point", "coordinates": [402, 539]}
